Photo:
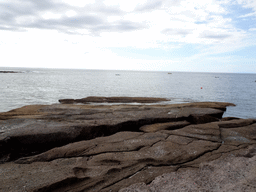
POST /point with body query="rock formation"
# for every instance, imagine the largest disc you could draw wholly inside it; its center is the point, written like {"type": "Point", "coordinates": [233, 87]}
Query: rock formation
{"type": "Point", "coordinates": [10, 72]}
{"type": "Point", "coordinates": [71, 147]}
{"type": "Point", "coordinates": [113, 100]}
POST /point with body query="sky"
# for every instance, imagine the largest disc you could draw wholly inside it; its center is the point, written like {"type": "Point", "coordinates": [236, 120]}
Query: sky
{"type": "Point", "coordinates": [150, 35]}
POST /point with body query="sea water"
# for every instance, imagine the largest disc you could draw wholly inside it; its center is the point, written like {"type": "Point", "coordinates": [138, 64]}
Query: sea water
{"type": "Point", "coordinates": [47, 86]}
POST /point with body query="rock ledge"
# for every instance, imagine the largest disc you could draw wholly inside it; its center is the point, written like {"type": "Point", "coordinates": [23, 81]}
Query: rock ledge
{"type": "Point", "coordinates": [71, 147]}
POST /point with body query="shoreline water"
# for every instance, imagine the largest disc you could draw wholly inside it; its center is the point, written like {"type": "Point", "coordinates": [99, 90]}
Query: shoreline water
{"type": "Point", "coordinates": [46, 86]}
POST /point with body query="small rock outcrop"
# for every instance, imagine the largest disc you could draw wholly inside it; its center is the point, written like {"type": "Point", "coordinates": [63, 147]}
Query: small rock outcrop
{"type": "Point", "coordinates": [71, 147]}
{"type": "Point", "coordinates": [113, 100]}
{"type": "Point", "coordinates": [10, 72]}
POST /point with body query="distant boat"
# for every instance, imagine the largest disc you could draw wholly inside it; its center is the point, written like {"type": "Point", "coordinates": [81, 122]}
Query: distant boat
{"type": "Point", "coordinates": [216, 77]}
{"type": "Point", "coordinates": [117, 74]}
{"type": "Point", "coordinates": [169, 73]}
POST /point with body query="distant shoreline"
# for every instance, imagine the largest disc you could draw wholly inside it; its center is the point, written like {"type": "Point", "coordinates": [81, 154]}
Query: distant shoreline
{"type": "Point", "coordinates": [10, 72]}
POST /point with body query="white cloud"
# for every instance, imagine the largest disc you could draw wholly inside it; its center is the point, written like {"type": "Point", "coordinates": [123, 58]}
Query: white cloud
{"type": "Point", "coordinates": [94, 27]}
{"type": "Point", "coordinates": [77, 3]}
{"type": "Point", "coordinates": [127, 6]}
{"type": "Point", "coordinates": [26, 19]}
{"type": "Point", "coordinates": [71, 13]}
{"type": "Point", "coordinates": [248, 15]}
{"type": "Point", "coordinates": [49, 15]}
{"type": "Point", "coordinates": [248, 4]}
{"type": "Point", "coordinates": [174, 21]}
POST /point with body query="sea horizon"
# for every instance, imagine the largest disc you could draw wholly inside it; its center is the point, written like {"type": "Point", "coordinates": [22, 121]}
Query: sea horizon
{"type": "Point", "coordinates": [171, 71]}
{"type": "Point", "coordinates": [47, 86]}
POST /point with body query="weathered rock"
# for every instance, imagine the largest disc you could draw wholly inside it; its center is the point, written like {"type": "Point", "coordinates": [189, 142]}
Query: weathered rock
{"type": "Point", "coordinates": [113, 100]}
{"type": "Point", "coordinates": [107, 148]}
{"type": "Point", "coordinates": [10, 72]}
{"type": "Point", "coordinates": [106, 168]}
{"type": "Point", "coordinates": [229, 118]}
{"type": "Point", "coordinates": [227, 174]}
{"type": "Point", "coordinates": [163, 126]}
{"type": "Point", "coordinates": [35, 129]}
{"type": "Point", "coordinates": [209, 132]}
{"type": "Point", "coordinates": [239, 135]}
{"type": "Point", "coordinates": [119, 142]}
{"type": "Point", "coordinates": [233, 123]}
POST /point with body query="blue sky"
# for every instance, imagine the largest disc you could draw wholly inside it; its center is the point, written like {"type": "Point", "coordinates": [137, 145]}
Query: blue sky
{"type": "Point", "coordinates": [158, 35]}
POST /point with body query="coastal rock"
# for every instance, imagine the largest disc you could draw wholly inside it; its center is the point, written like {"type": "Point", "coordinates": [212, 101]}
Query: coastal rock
{"type": "Point", "coordinates": [35, 129]}
{"type": "Point", "coordinates": [163, 126]}
{"type": "Point", "coordinates": [113, 100]}
{"type": "Point", "coordinates": [227, 174]}
{"type": "Point", "coordinates": [69, 147]}
{"type": "Point", "coordinates": [10, 72]}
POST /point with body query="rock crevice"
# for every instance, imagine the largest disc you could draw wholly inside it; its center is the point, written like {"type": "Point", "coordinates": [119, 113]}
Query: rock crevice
{"type": "Point", "coordinates": [70, 147]}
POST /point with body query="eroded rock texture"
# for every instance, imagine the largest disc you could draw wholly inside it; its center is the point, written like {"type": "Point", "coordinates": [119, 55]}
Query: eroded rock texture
{"type": "Point", "coordinates": [70, 147]}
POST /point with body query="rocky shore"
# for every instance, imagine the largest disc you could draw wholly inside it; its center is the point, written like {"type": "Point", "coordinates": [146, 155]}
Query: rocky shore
{"type": "Point", "coordinates": [122, 147]}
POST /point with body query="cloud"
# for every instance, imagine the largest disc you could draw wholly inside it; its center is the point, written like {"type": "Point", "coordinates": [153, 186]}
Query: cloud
{"type": "Point", "coordinates": [149, 5]}
{"type": "Point", "coordinates": [173, 31]}
{"type": "Point", "coordinates": [248, 15]}
{"type": "Point", "coordinates": [250, 5]}
{"type": "Point", "coordinates": [164, 19]}
{"type": "Point", "coordinates": [98, 25]}
{"type": "Point", "coordinates": [149, 22]}
{"type": "Point", "coordinates": [30, 14]}
{"type": "Point", "coordinates": [217, 35]}
{"type": "Point", "coordinates": [65, 23]}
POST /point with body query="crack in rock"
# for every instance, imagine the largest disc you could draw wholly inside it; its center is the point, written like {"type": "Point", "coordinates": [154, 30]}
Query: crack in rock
{"type": "Point", "coordinates": [70, 147]}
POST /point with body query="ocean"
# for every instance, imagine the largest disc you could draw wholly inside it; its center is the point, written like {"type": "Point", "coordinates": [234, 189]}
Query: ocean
{"type": "Point", "coordinates": [47, 86]}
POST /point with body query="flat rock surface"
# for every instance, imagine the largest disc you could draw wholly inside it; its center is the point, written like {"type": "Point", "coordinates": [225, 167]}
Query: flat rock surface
{"type": "Point", "coordinates": [227, 174]}
{"type": "Point", "coordinates": [71, 147]}
{"type": "Point", "coordinates": [113, 100]}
